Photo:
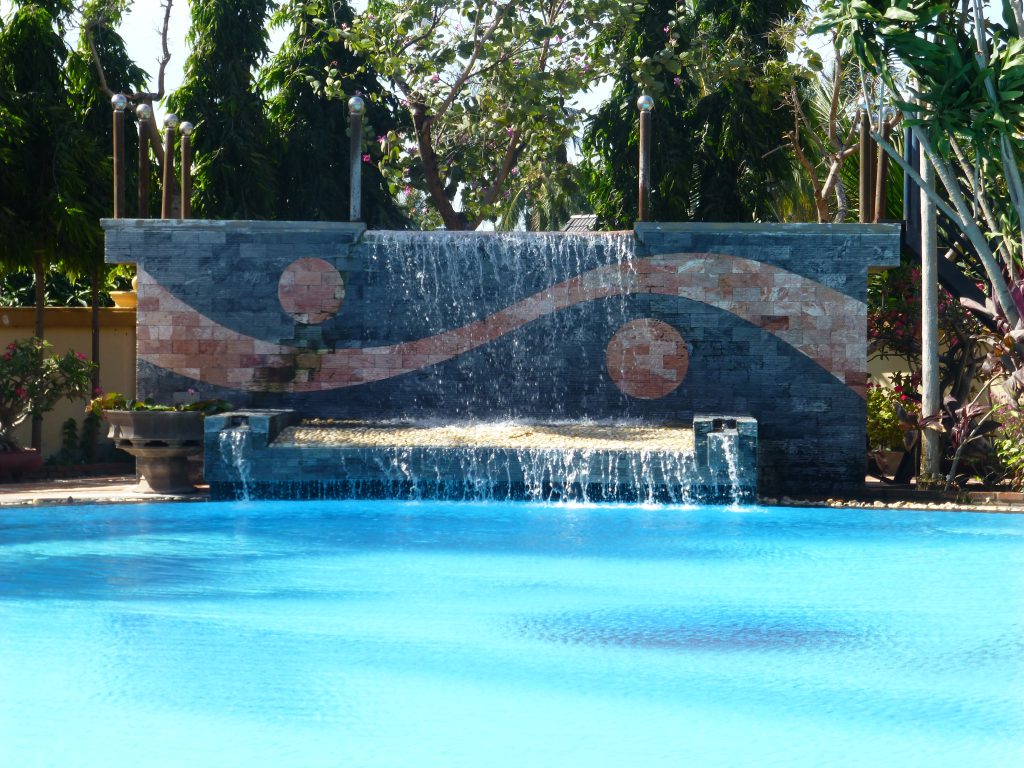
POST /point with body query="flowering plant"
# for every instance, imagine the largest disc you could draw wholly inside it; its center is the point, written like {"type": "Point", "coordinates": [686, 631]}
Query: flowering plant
{"type": "Point", "coordinates": [32, 381]}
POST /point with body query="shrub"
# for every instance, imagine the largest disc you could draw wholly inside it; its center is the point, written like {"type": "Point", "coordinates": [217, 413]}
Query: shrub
{"type": "Point", "coordinates": [32, 381]}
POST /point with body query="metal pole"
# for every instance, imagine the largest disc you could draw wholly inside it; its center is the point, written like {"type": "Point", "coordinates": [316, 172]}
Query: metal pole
{"type": "Point", "coordinates": [908, 186]}
{"type": "Point", "coordinates": [882, 174]}
{"type": "Point", "coordinates": [865, 188]}
{"type": "Point", "coordinates": [119, 102]}
{"type": "Point", "coordinates": [186, 169]}
{"type": "Point", "coordinates": [145, 113]}
{"type": "Point", "coordinates": [931, 395]}
{"type": "Point", "coordinates": [166, 199]}
{"type": "Point", "coordinates": [645, 104]}
{"type": "Point", "coordinates": [356, 109]}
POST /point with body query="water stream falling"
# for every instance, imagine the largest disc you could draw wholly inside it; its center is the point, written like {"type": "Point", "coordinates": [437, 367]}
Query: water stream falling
{"type": "Point", "coordinates": [430, 283]}
{"type": "Point", "coordinates": [722, 448]}
{"type": "Point", "coordinates": [233, 450]}
{"type": "Point", "coordinates": [473, 331]}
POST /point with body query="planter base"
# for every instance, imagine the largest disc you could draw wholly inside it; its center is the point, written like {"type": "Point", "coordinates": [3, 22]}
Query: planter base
{"type": "Point", "coordinates": [164, 469]}
{"type": "Point", "coordinates": [161, 442]}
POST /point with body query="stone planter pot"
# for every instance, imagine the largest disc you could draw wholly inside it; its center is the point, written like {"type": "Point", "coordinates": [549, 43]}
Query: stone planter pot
{"type": "Point", "coordinates": [888, 461]}
{"type": "Point", "coordinates": [124, 299]}
{"type": "Point", "coordinates": [15, 464]}
{"type": "Point", "coordinates": [161, 442]}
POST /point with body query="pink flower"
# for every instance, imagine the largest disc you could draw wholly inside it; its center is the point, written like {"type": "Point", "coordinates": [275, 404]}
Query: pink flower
{"type": "Point", "coordinates": [435, 77]}
{"type": "Point", "coordinates": [21, 392]}
{"type": "Point", "coordinates": [366, 158]}
{"type": "Point", "coordinates": [677, 81]}
{"type": "Point", "coordinates": [97, 391]}
{"type": "Point", "coordinates": [381, 139]}
{"type": "Point", "coordinates": [407, 190]}
{"type": "Point", "coordinates": [666, 29]}
{"type": "Point", "coordinates": [80, 356]}
{"type": "Point", "coordinates": [7, 355]}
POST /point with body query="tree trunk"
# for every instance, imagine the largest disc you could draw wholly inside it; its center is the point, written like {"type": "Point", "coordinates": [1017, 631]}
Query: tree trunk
{"type": "Point", "coordinates": [94, 303]}
{"type": "Point", "coordinates": [39, 268]}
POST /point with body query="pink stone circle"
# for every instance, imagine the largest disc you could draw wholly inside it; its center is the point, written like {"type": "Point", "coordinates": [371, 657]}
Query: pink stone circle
{"type": "Point", "coordinates": [311, 290]}
{"type": "Point", "coordinates": [647, 359]}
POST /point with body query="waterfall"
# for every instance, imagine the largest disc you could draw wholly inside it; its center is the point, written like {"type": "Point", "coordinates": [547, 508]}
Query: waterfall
{"type": "Point", "coordinates": [723, 449]}
{"type": "Point", "coordinates": [233, 445]}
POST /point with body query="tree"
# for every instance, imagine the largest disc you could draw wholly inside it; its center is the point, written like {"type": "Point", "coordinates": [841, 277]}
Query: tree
{"type": "Point", "coordinates": [542, 196]}
{"type": "Point", "coordinates": [233, 168]}
{"type": "Point", "coordinates": [311, 153]}
{"type": "Point", "coordinates": [717, 77]}
{"type": "Point", "coordinates": [49, 157]}
{"type": "Point", "coordinates": [825, 118]}
{"type": "Point", "coordinates": [99, 42]}
{"type": "Point", "coordinates": [486, 84]}
{"type": "Point", "coordinates": [965, 109]}
{"type": "Point", "coordinates": [105, 48]}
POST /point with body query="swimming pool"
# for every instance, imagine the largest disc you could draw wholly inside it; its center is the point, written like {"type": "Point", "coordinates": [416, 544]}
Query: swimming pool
{"type": "Point", "coordinates": [455, 634]}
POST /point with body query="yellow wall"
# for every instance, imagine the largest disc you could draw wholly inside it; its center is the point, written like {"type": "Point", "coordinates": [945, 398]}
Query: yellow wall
{"type": "Point", "coordinates": [71, 328]}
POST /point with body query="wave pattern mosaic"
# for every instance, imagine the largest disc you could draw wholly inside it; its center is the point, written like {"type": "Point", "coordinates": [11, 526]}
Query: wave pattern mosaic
{"type": "Point", "coordinates": [653, 325]}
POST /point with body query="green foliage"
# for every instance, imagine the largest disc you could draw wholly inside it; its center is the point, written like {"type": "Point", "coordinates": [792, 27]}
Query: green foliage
{"type": "Point", "coordinates": [80, 445]}
{"type": "Point", "coordinates": [233, 173]}
{"type": "Point", "coordinates": [311, 151]}
{"type": "Point", "coordinates": [49, 159]}
{"type": "Point", "coordinates": [1008, 443]}
{"type": "Point", "coordinates": [32, 381]}
{"type": "Point", "coordinates": [884, 433]}
{"type": "Point", "coordinates": [98, 21]}
{"type": "Point", "coordinates": [115, 401]}
{"type": "Point", "coordinates": [487, 87]}
{"type": "Point", "coordinates": [17, 288]}
{"type": "Point", "coordinates": [718, 82]}
{"type": "Point", "coordinates": [968, 72]}
{"type": "Point", "coordinates": [542, 196]}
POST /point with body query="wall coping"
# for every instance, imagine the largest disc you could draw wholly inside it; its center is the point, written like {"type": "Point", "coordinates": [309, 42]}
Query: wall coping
{"type": "Point", "coordinates": [803, 228]}
{"type": "Point", "coordinates": [355, 227]}
{"type": "Point", "coordinates": [66, 317]}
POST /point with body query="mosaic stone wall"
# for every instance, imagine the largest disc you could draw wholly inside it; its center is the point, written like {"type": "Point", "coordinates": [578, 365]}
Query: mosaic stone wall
{"type": "Point", "coordinates": [656, 325]}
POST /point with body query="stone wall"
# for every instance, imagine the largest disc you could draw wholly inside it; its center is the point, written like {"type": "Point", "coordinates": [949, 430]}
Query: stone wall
{"type": "Point", "coordinates": [656, 325]}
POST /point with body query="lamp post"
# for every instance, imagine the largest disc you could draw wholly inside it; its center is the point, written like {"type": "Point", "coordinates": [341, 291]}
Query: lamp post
{"type": "Point", "coordinates": [645, 104]}
{"type": "Point", "coordinates": [186, 129]}
{"type": "Point", "coordinates": [356, 110]}
{"type": "Point", "coordinates": [170, 124]}
{"type": "Point", "coordinates": [119, 102]}
{"type": "Point", "coordinates": [145, 113]}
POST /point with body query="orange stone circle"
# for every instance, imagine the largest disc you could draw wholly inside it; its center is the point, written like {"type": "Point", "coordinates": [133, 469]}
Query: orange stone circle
{"type": "Point", "coordinates": [647, 359]}
{"type": "Point", "coordinates": [311, 290]}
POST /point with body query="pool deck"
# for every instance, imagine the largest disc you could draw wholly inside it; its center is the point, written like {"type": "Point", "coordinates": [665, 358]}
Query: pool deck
{"type": "Point", "coordinates": [123, 489]}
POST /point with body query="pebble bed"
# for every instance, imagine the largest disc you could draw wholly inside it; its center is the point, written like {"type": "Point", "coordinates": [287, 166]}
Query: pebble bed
{"type": "Point", "coordinates": [576, 436]}
{"type": "Point", "coordinates": [926, 506]}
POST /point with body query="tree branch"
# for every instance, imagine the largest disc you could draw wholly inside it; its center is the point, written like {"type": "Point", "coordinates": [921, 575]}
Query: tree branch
{"type": "Point", "coordinates": [96, 61]}
{"type": "Point", "coordinates": [164, 59]}
{"type": "Point", "coordinates": [833, 111]}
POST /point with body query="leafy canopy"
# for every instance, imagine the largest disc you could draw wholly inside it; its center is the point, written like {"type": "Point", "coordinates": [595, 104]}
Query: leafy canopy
{"type": "Point", "coordinates": [486, 85]}
{"type": "Point", "coordinates": [718, 78]}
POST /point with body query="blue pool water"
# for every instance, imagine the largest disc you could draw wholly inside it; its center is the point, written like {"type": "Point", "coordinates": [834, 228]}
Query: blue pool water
{"type": "Point", "coordinates": [420, 634]}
